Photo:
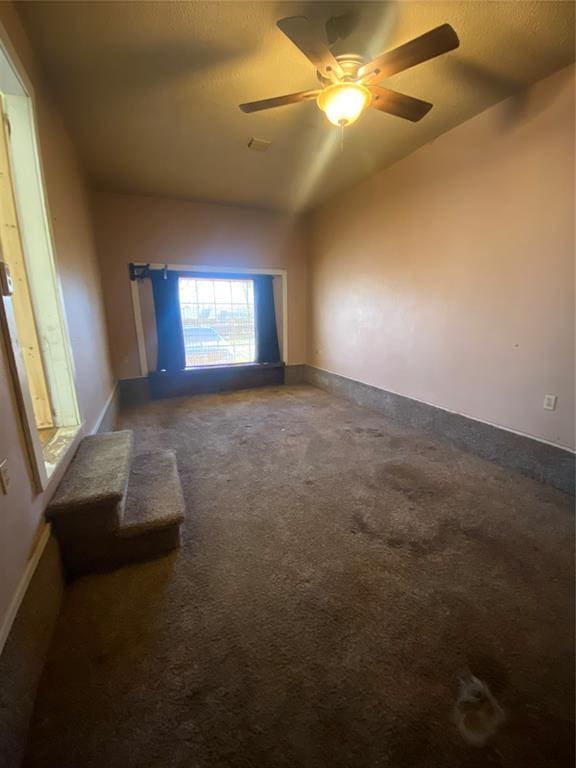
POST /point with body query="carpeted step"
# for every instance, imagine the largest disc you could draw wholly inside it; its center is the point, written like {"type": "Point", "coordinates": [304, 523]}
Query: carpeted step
{"type": "Point", "coordinates": [91, 496]}
{"type": "Point", "coordinates": [154, 500]}
{"type": "Point", "coordinates": [150, 525]}
{"type": "Point", "coordinates": [154, 509]}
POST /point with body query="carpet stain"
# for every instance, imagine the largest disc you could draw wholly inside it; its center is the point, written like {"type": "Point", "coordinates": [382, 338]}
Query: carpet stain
{"type": "Point", "coordinates": [489, 669]}
{"type": "Point", "coordinates": [360, 525]}
{"type": "Point", "coordinates": [412, 482]}
{"type": "Point", "coordinates": [369, 431]}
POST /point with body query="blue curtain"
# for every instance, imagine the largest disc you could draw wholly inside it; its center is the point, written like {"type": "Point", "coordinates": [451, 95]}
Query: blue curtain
{"type": "Point", "coordinates": [267, 349]}
{"type": "Point", "coordinates": [171, 355]}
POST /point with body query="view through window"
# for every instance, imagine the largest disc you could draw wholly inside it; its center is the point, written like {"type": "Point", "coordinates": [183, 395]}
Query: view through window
{"type": "Point", "coordinates": [217, 320]}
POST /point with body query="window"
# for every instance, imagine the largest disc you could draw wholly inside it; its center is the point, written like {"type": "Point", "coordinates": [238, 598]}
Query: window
{"type": "Point", "coordinates": [217, 321]}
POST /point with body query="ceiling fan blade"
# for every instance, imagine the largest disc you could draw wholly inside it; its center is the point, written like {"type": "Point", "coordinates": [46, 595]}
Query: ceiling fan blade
{"type": "Point", "coordinates": [278, 101]}
{"type": "Point", "coordinates": [398, 104]}
{"type": "Point", "coordinates": [299, 30]}
{"type": "Point", "coordinates": [429, 45]}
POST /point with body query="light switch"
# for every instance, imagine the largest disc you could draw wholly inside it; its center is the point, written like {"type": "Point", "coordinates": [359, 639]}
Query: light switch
{"type": "Point", "coordinates": [550, 402]}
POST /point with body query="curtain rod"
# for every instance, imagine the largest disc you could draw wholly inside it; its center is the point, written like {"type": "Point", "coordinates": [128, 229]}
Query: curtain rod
{"type": "Point", "coordinates": [141, 271]}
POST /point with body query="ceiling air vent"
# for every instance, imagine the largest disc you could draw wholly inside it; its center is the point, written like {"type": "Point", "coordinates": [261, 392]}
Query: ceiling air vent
{"type": "Point", "coordinates": [258, 145]}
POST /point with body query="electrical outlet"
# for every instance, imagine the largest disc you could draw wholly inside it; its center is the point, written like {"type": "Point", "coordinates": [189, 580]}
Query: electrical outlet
{"type": "Point", "coordinates": [4, 477]}
{"type": "Point", "coordinates": [550, 402]}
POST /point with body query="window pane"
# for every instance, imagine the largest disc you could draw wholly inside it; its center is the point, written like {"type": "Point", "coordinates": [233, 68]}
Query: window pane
{"type": "Point", "coordinates": [205, 290]}
{"type": "Point", "coordinates": [222, 291]}
{"type": "Point", "coordinates": [218, 321]}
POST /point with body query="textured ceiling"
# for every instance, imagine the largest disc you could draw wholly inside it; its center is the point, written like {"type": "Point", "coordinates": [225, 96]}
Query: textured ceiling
{"type": "Point", "coordinates": [150, 89]}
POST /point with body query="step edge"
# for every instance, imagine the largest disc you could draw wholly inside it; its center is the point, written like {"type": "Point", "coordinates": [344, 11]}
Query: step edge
{"type": "Point", "coordinates": [63, 507]}
{"type": "Point", "coordinates": [159, 523]}
{"type": "Point", "coordinates": [66, 508]}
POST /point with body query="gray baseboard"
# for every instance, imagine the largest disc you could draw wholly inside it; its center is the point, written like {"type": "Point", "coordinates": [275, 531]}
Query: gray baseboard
{"type": "Point", "coordinates": [198, 381]}
{"type": "Point", "coordinates": [137, 391]}
{"type": "Point", "coordinates": [110, 417]}
{"type": "Point", "coordinates": [294, 374]}
{"type": "Point", "coordinates": [133, 391]}
{"type": "Point", "coordinates": [25, 652]}
{"type": "Point", "coordinates": [546, 463]}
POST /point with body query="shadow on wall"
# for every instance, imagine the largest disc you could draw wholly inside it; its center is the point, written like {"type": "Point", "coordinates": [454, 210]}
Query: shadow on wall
{"type": "Point", "coordinates": [521, 101]}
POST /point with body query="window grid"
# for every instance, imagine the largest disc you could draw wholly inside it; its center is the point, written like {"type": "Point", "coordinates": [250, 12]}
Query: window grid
{"type": "Point", "coordinates": [217, 321]}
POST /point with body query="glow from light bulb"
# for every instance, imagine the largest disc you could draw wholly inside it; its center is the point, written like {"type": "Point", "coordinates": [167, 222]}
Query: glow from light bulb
{"type": "Point", "coordinates": [343, 103]}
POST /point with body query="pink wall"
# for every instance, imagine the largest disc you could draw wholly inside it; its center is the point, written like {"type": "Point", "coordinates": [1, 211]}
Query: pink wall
{"type": "Point", "coordinates": [161, 230]}
{"type": "Point", "coordinates": [449, 277]}
{"type": "Point", "coordinates": [21, 509]}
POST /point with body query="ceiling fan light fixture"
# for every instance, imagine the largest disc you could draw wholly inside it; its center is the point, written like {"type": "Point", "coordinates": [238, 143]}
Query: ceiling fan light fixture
{"type": "Point", "coordinates": [343, 103]}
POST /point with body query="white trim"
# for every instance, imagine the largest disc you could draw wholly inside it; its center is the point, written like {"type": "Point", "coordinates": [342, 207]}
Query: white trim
{"type": "Point", "coordinates": [140, 338]}
{"type": "Point", "coordinates": [100, 418]}
{"type": "Point", "coordinates": [285, 317]}
{"type": "Point", "coordinates": [447, 410]}
{"type": "Point", "coordinates": [23, 585]}
{"type": "Point", "coordinates": [282, 273]}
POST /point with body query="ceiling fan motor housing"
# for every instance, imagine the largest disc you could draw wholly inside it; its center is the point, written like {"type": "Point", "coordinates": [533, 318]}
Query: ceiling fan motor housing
{"type": "Point", "coordinates": [350, 63]}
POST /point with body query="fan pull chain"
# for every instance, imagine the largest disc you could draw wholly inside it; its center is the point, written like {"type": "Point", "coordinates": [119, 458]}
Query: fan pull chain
{"type": "Point", "coordinates": [342, 137]}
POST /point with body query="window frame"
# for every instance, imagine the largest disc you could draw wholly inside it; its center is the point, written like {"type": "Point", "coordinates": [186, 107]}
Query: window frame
{"type": "Point", "coordinates": [216, 271]}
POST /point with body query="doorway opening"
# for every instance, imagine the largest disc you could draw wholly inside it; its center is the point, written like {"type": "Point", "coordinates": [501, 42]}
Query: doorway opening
{"type": "Point", "coordinates": [31, 312]}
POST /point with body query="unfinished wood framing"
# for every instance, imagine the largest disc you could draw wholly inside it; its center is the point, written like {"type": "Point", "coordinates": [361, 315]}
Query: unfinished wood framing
{"type": "Point", "coordinates": [11, 243]}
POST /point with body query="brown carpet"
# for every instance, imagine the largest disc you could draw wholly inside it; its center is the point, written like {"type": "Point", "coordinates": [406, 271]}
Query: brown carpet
{"type": "Point", "coordinates": [338, 571]}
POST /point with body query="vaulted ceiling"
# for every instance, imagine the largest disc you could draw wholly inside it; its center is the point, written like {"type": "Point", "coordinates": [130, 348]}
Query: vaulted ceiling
{"type": "Point", "coordinates": [150, 90]}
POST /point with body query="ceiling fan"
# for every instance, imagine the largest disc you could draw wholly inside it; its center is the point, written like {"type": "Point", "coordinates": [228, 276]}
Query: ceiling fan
{"type": "Point", "coordinates": [349, 85]}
